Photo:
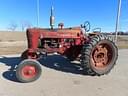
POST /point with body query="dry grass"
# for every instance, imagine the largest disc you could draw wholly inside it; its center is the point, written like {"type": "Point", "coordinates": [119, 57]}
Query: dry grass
{"type": "Point", "coordinates": [12, 47]}
{"type": "Point", "coordinates": [11, 50]}
{"type": "Point", "coordinates": [122, 42]}
{"type": "Point", "coordinates": [12, 42]}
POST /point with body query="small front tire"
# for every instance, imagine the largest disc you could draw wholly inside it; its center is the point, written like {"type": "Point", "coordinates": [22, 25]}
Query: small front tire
{"type": "Point", "coordinates": [28, 70]}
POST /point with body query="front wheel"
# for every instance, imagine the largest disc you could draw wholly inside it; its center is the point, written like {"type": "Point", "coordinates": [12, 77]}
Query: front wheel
{"type": "Point", "coordinates": [99, 56]}
{"type": "Point", "coordinates": [28, 70]}
{"type": "Point", "coordinates": [24, 55]}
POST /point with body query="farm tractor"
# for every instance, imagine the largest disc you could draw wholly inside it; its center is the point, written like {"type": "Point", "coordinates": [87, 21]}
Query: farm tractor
{"type": "Point", "coordinates": [96, 52]}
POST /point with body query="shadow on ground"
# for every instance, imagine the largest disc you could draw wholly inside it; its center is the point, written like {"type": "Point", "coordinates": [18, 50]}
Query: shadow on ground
{"type": "Point", "coordinates": [60, 63]}
{"type": "Point", "coordinates": [56, 62]}
{"type": "Point", "coordinates": [12, 62]}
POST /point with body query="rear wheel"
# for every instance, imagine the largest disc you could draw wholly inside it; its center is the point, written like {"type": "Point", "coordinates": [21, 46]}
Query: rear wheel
{"type": "Point", "coordinates": [99, 55]}
{"type": "Point", "coordinates": [28, 70]}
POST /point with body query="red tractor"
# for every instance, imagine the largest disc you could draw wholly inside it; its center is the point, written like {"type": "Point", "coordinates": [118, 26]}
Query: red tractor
{"type": "Point", "coordinates": [96, 52]}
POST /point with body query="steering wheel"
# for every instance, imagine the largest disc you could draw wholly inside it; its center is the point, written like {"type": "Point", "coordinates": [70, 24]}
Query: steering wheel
{"type": "Point", "coordinates": [86, 26]}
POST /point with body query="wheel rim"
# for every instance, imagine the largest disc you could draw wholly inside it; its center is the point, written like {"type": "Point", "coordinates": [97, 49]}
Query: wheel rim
{"type": "Point", "coordinates": [29, 71]}
{"type": "Point", "coordinates": [101, 55]}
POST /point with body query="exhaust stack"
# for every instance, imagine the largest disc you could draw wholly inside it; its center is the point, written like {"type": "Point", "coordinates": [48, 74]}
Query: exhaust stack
{"type": "Point", "coordinates": [52, 18]}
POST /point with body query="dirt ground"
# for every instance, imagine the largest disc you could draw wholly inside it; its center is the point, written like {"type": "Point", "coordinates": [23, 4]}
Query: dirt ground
{"type": "Point", "coordinates": [62, 78]}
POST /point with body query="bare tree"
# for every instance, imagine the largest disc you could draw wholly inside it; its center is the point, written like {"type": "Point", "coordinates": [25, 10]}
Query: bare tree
{"type": "Point", "coordinates": [25, 25]}
{"type": "Point", "coordinates": [12, 26]}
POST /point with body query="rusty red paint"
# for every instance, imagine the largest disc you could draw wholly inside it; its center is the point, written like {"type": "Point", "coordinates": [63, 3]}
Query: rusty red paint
{"type": "Point", "coordinates": [28, 71]}
{"type": "Point", "coordinates": [65, 38]}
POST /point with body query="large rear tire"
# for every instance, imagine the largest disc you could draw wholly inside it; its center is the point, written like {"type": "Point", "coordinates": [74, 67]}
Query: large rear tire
{"type": "Point", "coordinates": [99, 56]}
{"type": "Point", "coordinates": [28, 70]}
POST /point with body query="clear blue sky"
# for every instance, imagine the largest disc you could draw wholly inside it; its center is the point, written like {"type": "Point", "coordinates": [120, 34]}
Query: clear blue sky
{"type": "Point", "coordinates": [100, 13]}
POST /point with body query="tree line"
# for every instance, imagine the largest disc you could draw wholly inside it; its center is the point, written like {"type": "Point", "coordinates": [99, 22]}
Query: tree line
{"type": "Point", "coordinates": [13, 26]}
{"type": "Point", "coordinates": [118, 33]}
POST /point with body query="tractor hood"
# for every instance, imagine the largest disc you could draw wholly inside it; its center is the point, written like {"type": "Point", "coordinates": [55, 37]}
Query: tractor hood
{"type": "Point", "coordinates": [73, 32]}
